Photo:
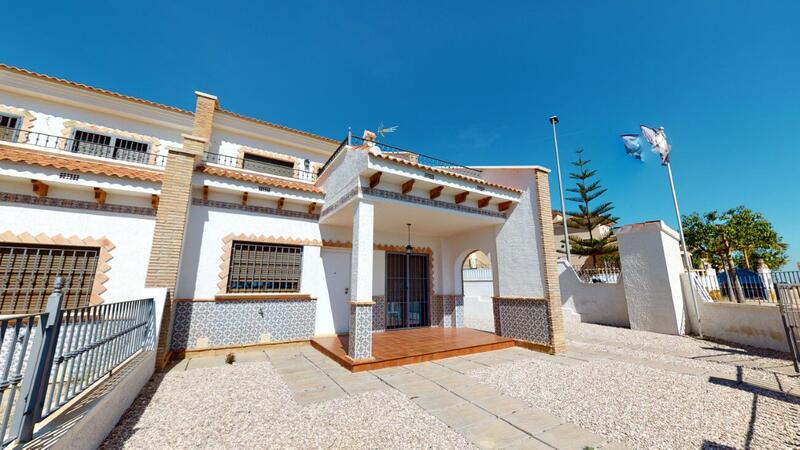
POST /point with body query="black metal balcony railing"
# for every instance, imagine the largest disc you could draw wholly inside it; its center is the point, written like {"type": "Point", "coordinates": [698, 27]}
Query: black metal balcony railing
{"type": "Point", "coordinates": [426, 160]}
{"type": "Point", "coordinates": [77, 146]}
{"type": "Point", "coordinates": [260, 166]}
{"type": "Point", "coordinates": [333, 156]}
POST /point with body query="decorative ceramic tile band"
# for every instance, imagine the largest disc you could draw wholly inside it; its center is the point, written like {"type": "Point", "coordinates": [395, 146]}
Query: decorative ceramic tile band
{"type": "Point", "coordinates": [447, 311]}
{"type": "Point", "coordinates": [254, 209]}
{"type": "Point", "coordinates": [428, 202]}
{"type": "Point", "coordinates": [360, 339]}
{"type": "Point", "coordinates": [339, 202]}
{"type": "Point", "coordinates": [379, 314]}
{"type": "Point", "coordinates": [523, 318]}
{"type": "Point", "coordinates": [75, 204]}
{"type": "Point", "coordinates": [200, 325]}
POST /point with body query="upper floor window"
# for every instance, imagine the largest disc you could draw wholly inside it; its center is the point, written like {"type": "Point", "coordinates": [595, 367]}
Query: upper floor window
{"type": "Point", "coordinates": [106, 146]}
{"type": "Point", "coordinates": [266, 164]}
{"type": "Point", "coordinates": [256, 267]}
{"type": "Point", "coordinates": [9, 127]}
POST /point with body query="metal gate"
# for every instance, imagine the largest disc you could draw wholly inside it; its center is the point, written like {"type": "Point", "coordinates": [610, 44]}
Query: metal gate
{"type": "Point", "coordinates": [789, 303]}
{"type": "Point", "coordinates": [407, 290]}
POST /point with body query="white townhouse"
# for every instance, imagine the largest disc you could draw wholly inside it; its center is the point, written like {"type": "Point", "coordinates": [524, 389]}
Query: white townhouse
{"type": "Point", "coordinates": [261, 233]}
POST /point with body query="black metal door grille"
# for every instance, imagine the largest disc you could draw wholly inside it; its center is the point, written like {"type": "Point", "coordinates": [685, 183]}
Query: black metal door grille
{"type": "Point", "coordinates": [29, 271]}
{"type": "Point", "coordinates": [789, 304]}
{"type": "Point", "coordinates": [265, 268]}
{"type": "Point", "coordinates": [407, 309]}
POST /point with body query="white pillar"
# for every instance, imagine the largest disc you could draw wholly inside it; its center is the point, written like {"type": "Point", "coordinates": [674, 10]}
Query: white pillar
{"type": "Point", "coordinates": [360, 339]}
{"type": "Point", "coordinates": [651, 263]}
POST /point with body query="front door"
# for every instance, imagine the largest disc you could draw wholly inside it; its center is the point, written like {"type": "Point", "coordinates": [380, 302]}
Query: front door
{"type": "Point", "coordinates": [407, 290]}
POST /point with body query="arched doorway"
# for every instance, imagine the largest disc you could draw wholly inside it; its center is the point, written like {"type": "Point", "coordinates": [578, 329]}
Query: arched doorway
{"type": "Point", "coordinates": [478, 289]}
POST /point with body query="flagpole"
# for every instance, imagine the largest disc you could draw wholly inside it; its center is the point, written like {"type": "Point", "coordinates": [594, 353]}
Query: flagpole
{"type": "Point", "coordinates": [686, 259]}
{"type": "Point", "coordinates": [554, 121]}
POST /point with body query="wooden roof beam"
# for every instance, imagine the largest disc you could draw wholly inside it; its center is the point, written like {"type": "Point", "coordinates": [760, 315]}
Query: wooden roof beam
{"type": "Point", "coordinates": [244, 198]}
{"type": "Point", "coordinates": [154, 201]}
{"type": "Point", "coordinates": [482, 203]}
{"type": "Point", "coordinates": [312, 207]}
{"type": "Point", "coordinates": [281, 201]}
{"type": "Point", "coordinates": [100, 196]}
{"type": "Point", "coordinates": [408, 186]}
{"type": "Point", "coordinates": [375, 179]}
{"type": "Point", "coordinates": [40, 188]}
{"type": "Point", "coordinates": [436, 192]}
{"type": "Point", "coordinates": [504, 206]}
{"type": "Point", "coordinates": [461, 198]}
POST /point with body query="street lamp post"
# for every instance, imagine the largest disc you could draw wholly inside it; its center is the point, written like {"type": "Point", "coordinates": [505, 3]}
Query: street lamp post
{"type": "Point", "coordinates": [554, 121]}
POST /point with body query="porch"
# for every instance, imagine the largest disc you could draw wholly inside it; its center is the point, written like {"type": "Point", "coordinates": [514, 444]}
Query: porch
{"type": "Point", "coordinates": [409, 346]}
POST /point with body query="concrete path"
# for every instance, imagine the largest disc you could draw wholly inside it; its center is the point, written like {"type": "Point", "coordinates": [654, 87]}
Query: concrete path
{"type": "Point", "coordinates": [480, 413]}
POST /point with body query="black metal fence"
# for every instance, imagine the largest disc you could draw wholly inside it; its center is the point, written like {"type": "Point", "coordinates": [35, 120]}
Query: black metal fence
{"type": "Point", "coordinates": [745, 286]}
{"type": "Point", "coordinates": [48, 359]}
{"type": "Point", "coordinates": [789, 303]}
{"type": "Point", "coordinates": [72, 145]}
{"type": "Point", "coordinates": [425, 160]}
{"type": "Point", "coordinates": [338, 150]}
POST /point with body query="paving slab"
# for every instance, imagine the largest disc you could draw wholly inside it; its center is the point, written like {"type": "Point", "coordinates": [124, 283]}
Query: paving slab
{"type": "Point", "coordinates": [399, 377]}
{"type": "Point", "coordinates": [418, 388]}
{"type": "Point", "coordinates": [470, 390]}
{"type": "Point", "coordinates": [462, 415]}
{"type": "Point", "coordinates": [528, 443]}
{"type": "Point", "coordinates": [179, 366]}
{"type": "Point", "coordinates": [369, 386]}
{"type": "Point", "coordinates": [251, 356]}
{"type": "Point", "coordinates": [570, 437]}
{"type": "Point", "coordinates": [533, 420]}
{"type": "Point", "coordinates": [437, 400]}
{"type": "Point", "coordinates": [317, 396]}
{"type": "Point", "coordinates": [459, 364]}
{"type": "Point", "coordinates": [430, 370]}
{"type": "Point", "coordinates": [500, 405]}
{"type": "Point", "coordinates": [492, 434]}
{"type": "Point", "coordinates": [206, 361]}
{"type": "Point", "coordinates": [309, 383]}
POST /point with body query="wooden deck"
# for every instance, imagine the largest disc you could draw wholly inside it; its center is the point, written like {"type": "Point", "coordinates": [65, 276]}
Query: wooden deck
{"type": "Point", "coordinates": [409, 346]}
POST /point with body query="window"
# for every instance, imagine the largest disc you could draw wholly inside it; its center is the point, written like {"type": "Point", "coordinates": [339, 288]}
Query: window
{"type": "Point", "coordinates": [264, 164]}
{"type": "Point", "coordinates": [28, 273]}
{"type": "Point", "coordinates": [9, 127]}
{"type": "Point", "coordinates": [106, 146]}
{"type": "Point", "coordinates": [264, 268]}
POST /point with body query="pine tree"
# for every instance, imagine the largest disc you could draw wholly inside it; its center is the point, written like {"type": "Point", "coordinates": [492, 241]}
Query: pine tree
{"type": "Point", "coordinates": [600, 243]}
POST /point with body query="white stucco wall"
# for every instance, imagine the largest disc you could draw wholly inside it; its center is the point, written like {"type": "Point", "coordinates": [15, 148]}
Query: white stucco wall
{"type": "Point", "coordinates": [755, 325]}
{"type": "Point", "coordinates": [519, 247]}
{"type": "Point", "coordinates": [131, 235]}
{"type": "Point", "coordinates": [601, 303]}
{"type": "Point", "coordinates": [207, 227]}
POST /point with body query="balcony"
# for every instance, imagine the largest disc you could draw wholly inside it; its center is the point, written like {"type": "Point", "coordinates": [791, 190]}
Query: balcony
{"type": "Point", "coordinates": [71, 145]}
{"type": "Point", "coordinates": [260, 167]}
{"type": "Point", "coordinates": [423, 160]}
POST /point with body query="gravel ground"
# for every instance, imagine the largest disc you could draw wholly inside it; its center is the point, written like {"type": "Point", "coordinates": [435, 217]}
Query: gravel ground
{"type": "Point", "coordinates": [247, 405]}
{"type": "Point", "coordinates": [647, 407]}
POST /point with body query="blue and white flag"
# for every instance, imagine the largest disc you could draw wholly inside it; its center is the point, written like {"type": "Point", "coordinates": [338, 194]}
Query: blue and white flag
{"type": "Point", "coordinates": [633, 145]}
{"type": "Point", "coordinates": [657, 138]}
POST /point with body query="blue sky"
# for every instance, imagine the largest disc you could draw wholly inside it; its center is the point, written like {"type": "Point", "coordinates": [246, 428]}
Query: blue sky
{"type": "Point", "coordinates": [474, 82]}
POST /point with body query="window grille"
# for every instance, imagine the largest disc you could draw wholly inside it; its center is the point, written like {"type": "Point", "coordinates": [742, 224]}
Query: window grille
{"type": "Point", "coordinates": [264, 268]}
{"type": "Point", "coordinates": [28, 273]}
{"type": "Point", "coordinates": [9, 126]}
{"type": "Point", "coordinates": [106, 146]}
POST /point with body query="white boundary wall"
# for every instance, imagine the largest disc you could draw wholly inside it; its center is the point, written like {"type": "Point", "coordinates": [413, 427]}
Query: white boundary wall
{"type": "Point", "coordinates": [601, 303]}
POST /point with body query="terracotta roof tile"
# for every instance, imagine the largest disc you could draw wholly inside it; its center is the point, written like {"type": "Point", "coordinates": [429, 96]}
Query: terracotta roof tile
{"type": "Point", "coordinates": [260, 179]}
{"type": "Point", "coordinates": [444, 172]}
{"type": "Point", "coordinates": [77, 165]}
